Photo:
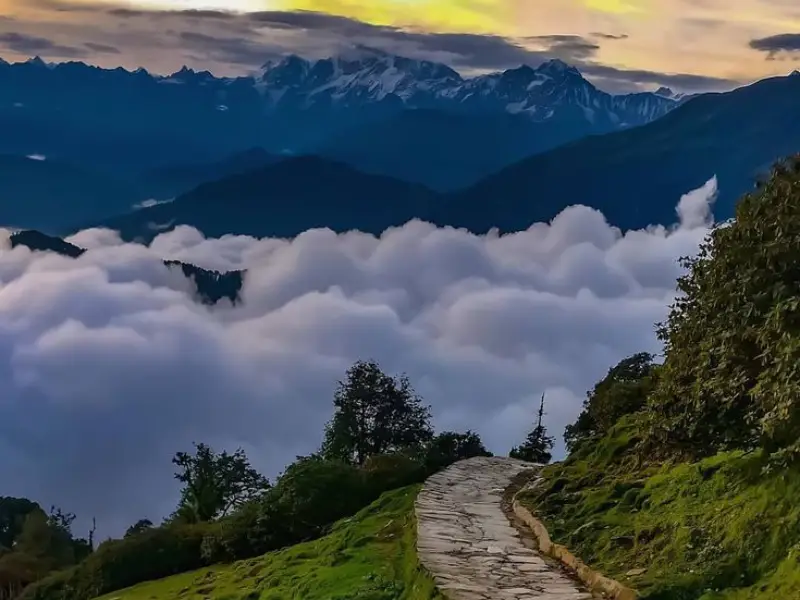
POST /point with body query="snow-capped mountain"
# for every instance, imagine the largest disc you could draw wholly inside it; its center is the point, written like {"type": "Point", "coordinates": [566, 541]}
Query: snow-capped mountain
{"type": "Point", "coordinates": [137, 120]}
{"type": "Point", "coordinates": [552, 90]}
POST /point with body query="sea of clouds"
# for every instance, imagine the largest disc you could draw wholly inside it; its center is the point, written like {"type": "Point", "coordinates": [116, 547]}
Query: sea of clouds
{"type": "Point", "coordinates": [108, 366]}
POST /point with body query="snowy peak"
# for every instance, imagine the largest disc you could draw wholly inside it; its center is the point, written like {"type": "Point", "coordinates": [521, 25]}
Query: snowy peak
{"type": "Point", "coordinates": [359, 74]}
{"type": "Point", "coordinates": [558, 68]}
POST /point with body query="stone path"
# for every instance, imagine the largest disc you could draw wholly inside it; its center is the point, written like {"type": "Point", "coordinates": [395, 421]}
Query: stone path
{"type": "Point", "coordinates": [468, 544]}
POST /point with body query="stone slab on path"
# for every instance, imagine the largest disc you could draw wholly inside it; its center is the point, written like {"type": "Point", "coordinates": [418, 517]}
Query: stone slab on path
{"type": "Point", "coordinates": [468, 544]}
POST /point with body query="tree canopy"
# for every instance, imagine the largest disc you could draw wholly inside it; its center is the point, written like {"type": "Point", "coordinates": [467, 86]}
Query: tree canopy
{"type": "Point", "coordinates": [624, 390]}
{"type": "Point", "coordinates": [374, 413]}
{"type": "Point", "coordinates": [214, 484]}
{"type": "Point", "coordinates": [730, 379]}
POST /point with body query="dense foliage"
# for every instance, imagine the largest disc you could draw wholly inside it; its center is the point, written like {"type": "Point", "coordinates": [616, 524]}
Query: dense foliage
{"type": "Point", "coordinates": [730, 379]}
{"type": "Point", "coordinates": [375, 414]}
{"type": "Point", "coordinates": [34, 544]}
{"type": "Point", "coordinates": [369, 556]}
{"type": "Point", "coordinates": [624, 390]}
{"type": "Point", "coordinates": [214, 484]}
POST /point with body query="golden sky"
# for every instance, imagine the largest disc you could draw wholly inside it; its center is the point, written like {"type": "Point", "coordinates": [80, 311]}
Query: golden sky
{"type": "Point", "coordinates": [709, 38]}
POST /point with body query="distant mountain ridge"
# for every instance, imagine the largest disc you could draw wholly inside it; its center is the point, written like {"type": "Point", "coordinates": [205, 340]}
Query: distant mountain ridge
{"type": "Point", "coordinates": [283, 200]}
{"type": "Point", "coordinates": [635, 177]}
{"type": "Point", "coordinates": [119, 119]}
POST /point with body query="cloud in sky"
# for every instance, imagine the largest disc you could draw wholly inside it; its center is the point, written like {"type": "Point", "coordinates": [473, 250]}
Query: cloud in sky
{"type": "Point", "coordinates": [108, 367]}
{"type": "Point", "coordinates": [778, 45]}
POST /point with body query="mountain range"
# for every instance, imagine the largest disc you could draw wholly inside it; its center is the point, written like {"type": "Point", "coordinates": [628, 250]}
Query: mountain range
{"type": "Point", "coordinates": [367, 140]}
{"type": "Point", "coordinates": [635, 177]}
{"type": "Point", "coordinates": [122, 120]}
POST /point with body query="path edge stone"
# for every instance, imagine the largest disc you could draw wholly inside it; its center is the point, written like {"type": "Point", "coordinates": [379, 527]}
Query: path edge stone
{"type": "Point", "coordinates": [593, 580]}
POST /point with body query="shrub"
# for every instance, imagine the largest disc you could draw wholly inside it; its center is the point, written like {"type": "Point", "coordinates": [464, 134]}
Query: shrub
{"type": "Point", "coordinates": [118, 564]}
{"type": "Point", "coordinates": [449, 447]}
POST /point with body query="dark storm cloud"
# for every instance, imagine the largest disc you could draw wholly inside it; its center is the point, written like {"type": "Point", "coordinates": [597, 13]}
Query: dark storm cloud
{"type": "Point", "coordinates": [610, 36]}
{"type": "Point", "coordinates": [247, 40]}
{"type": "Point", "coordinates": [232, 50]}
{"type": "Point", "coordinates": [573, 48]}
{"type": "Point", "coordinates": [620, 80]}
{"type": "Point", "coordinates": [777, 44]}
{"type": "Point", "coordinates": [102, 48]}
{"type": "Point", "coordinates": [31, 44]}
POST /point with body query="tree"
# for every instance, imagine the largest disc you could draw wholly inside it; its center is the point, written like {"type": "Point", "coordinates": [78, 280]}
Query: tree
{"type": "Point", "coordinates": [375, 414]}
{"type": "Point", "coordinates": [45, 539]}
{"type": "Point", "coordinates": [12, 517]}
{"type": "Point", "coordinates": [449, 447]}
{"type": "Point", "coordinates": [214, 484]}
{"type": "Point", "coordinates": [537, 445]}
{"type": "Point", "coordinates": [624, 390]}
{"type": "Point", "coordinates": [732, 338]}
{"type": "Point", "coordinates": [138, 527]}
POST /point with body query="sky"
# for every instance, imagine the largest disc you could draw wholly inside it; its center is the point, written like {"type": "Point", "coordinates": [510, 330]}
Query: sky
{"type": "Point", "coordinates": [108, 366]}
{"type": "Point", "coordinates": [621, 45]}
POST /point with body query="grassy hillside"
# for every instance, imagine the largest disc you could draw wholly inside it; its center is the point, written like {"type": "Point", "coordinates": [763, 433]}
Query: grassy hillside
{"type": "Point", "coordinates": [371, 556]}
{"type": "Point", "coordinates": [722, 528]}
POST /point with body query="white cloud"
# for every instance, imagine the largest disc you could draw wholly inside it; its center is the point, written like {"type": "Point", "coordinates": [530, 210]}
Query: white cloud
{"type": "Point", "coordinates": [108, 367]}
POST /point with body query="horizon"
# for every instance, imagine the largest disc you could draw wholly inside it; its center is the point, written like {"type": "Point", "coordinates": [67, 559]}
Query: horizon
{"type": "Point", "coordinates": [619, 45]}
{"type": "Point", "coordinates": [653, 89]}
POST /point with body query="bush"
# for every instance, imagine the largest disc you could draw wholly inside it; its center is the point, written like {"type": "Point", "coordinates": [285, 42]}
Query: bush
{"type": "Point", "coordinates": [391, 471]}
{"type": "Point", "coordinates": [449, 447]}
{"type": "Point", "coordinates": [118, 564]}
{"type": "Point", "coordinates": [623, 391]}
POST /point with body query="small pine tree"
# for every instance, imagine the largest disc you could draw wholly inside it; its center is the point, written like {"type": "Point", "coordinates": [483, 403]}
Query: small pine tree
{"type": "Point", "coordinates": [537, 445]}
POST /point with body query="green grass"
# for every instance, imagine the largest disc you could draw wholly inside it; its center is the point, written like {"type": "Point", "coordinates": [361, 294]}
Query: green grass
{"type": "Point", "coordinates": [371, 556]}
{"type": "Point", "coordinates": [718, 529]}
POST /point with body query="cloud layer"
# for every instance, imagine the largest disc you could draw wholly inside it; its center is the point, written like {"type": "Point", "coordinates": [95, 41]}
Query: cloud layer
{"type": "Point", "coordinates": [108, 367]}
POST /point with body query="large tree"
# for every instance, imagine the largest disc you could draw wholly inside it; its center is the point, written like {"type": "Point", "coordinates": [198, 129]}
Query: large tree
{"type": "Point", "coordinates": [214, 484]}
{"type": "Point", "coordinates": [12, 517]}
{"type": "Point", "coordinates": [537, 446]}
{"type": "Point", "coordinates": [375, 414]}
{"type": "Point", "coordinates": [732, 339]}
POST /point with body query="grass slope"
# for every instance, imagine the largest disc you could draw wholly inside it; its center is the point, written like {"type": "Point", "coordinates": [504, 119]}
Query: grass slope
{"type": "Point", "coordinates": [371, 556]}
{"type": "Point", "coordinates": [718, 529]}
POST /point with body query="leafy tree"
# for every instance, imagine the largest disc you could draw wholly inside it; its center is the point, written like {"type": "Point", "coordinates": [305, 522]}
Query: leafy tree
{"type": "Point", "coordinates": [449, 447]}
{"type": "Point", "coordinates": [374, 414]}
{"type": "Point", "coordinates": [45, 539]}
{"type": "Point", "coordinates": [624, 390]}
{"type": "Point", "coordinates": [537, 445]}
{"type": "Point", "coordinates": [12, 516]}
{"type": "Point", "coordinates": [732, 338]}
{"type": "Point", "coordinates": [214, 484]}
{"type": "Point", "coordinates": [140, 526]}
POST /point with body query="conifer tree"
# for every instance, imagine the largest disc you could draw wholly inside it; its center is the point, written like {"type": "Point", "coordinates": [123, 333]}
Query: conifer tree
{"type": "Point", "coordinates": [537, 445]}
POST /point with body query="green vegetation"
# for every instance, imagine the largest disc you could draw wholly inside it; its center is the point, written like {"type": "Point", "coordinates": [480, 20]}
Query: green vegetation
{"type": "Point", "coordinates": [537, 446]}
{"type": "Point", "coordinates": [683, 478]}
{"type": "Point", "coordinates": [379, 439]}
{"type": "Point", "coordinates": [371, 556]}
{"type": "Point", "coordinates": [676, 531]}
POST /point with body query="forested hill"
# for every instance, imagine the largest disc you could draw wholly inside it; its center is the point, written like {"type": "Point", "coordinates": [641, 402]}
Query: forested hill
{"type": "Point", "coordinates": [212, 286]}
